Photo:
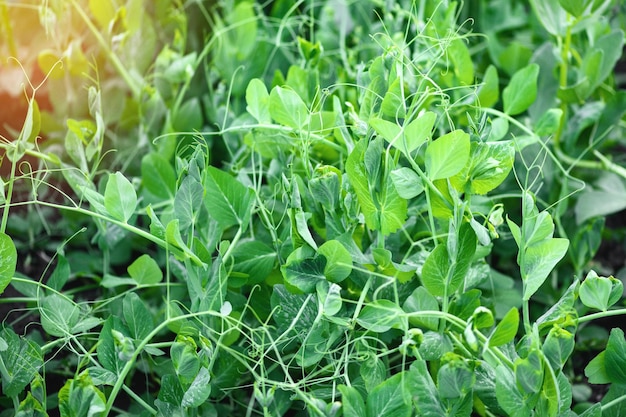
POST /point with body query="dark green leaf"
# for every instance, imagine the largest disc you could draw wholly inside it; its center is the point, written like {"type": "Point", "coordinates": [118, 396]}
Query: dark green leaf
{"type": "Point", "coordinates": [137, 316]}
{"type": "Point", "coordinates": [529, 372]}
{"type": "Point", "coordinates": [61, 273]}
{"type": "Point", "coordinates": [22, 360]}
{"type": "Point", "coordinates": [614, 357]}
{"type": "Point", "coordinates": [436, 270]}
{"type": "Point", "coordinates": [303, 270]}
{"type": "Point", "coordinates": [228, 201]}
{"type": "Point", "coordinates": [158, 176]}
{"type": "Point", "coordinates": [187, 202]}
{"type": "Point", "coordinates": [423, 390]}
{"type": "Point", "coordinates": [254, 261]}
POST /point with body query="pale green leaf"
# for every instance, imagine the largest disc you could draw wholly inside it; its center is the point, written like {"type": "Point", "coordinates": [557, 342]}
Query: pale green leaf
{"type": "Point", "coordinates": [447, 155]}
{"type": "Point", "coordinates": [539, 260]}
{"type": "Point", "coordinates": [120, 199]}
{"type": "Point", "coordinates": [287, 108]}
{"type": "Point", "coordinates": [145, 271]}
{"type": "Point", "coordinates": [506, 330]}
{"type": "Point", "coordinates": [257, 99]}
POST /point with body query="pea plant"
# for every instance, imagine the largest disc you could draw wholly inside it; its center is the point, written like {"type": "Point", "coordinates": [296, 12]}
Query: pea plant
{"type": "Point", "coordinates": [322, 208]}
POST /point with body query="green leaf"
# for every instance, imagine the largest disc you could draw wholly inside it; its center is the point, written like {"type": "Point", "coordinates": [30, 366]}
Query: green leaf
{"type": "Point", "coordinates": [388, 399]}
{"type": "Point", "coordinates": [288, 306]}
{"type": "Point", "coordinates": [418, 131]}
{"type": "Point", "coordinates": [506, 330]}
{"type": "Point", "coordinates": [595, 291]}
{"type": "Point", "coordinates": [539, 260]}
{"type": "Point", "coordinates": [423, 390]}
{"type": "Point", "coordinates": [59, 315]}
{"type": "Point", "coordinates": [521, 91]}
{"type": "Point", "coordinates": [329, 296]}
{"type": "Point", "coordinates": [185, 359]}
{"type": "Point", "coordinates": [199, 390]}
{"type": "Point", "coordinates": [549, 122]}
{"type": "Point", "coordinates": [8, 261]}
{"type": "Point", "coordinates": [389, 211]}
{"type": "Point", "coordinates": [22, 360]}
{"type": "Point", "coordinates": [30, 407]}
{"type": "Point", "coordinates": [158, 176]}
{"type": "Point", "coordinates": [558, 346]}
{"type": "Point", "coordinates": [228, 201]}
{"type": "Point", "coordinates": [382, 315]}
{"type": "Point", "coordinates": [462, 62]}
{"type": "Point", "coordinates": [575, 7]}
{"type": "Point", "coordinates": [614, 357]}
{"type": "Point", "coordinates": [145, 271]}
{"type": "Point", "coordinates": [607, 197]}
{"type": "Point", "coordinates": [447, 155]}
{"type": "Point", "coordinates": [421, 300]}
{"type": "Point", "coordinates": [188, 201]}
{"type": "Point", "coordinates": [551, 16]}
{"type": "Point", "coordinates": [61, 273]}
{"type": "Point", "coordinates": [253, 261]}
{"type": "Point", "coordinates": [352, 402]}
{"type": "Point", "coordinates": [258, 100]}
{"type": "Point", "coordinates": [188, 117]}
{"type": "Point", "coordinates": [489, 91]}
{"type": "Point", "coordinates": [79, 397]}
{"type": "Point", "coordinates": [338, 260]}
{"type": "Point", "coordinates": [488, 166]}
{"type": "Point", "coordinates": [408, 184]}
{"type": "Point", "coordinates": [529, 372]}
{"type": "Point", "coordinates": [508, 394]}
{"type": "Point", "coordinates": [106, 348]}
{"type": "Point", "coordinates": [436, 270]}
{"type": "Point", "coordinates": [393, 104]}
{"type": "Point", "coordinates": [287, 108]}
{"type": "Point", "coordinates": [373, 371]}
{"type": "Point", "coordinates": [595, 371]}
{"type": "Point", "coordinates": [303, 270]}
{"type": "Point", "coordinates": [390, 131]}
{"type": "Point", "coordinates": [120, 199]}
{"type": "Point", "coordinates": [137, 316]}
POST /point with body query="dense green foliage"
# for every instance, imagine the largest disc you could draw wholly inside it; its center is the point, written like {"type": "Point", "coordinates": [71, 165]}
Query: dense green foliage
{"type": "Point", "coordinates": [321, 207]}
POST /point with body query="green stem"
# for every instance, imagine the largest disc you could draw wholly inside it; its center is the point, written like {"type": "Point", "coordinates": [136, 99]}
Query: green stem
{"type": "Point", "coordinates": [130, 81]}
{"type": "Point", "coordinates": [7, 203]}
{"type": "Point", "coordinates": [139, 400]}
{"type": "Point", "coordinates": [602, 314]}
{"type": "Point", "coordinates": [139, 232]}
{"type": "Point", "coordinates": [613, 402]}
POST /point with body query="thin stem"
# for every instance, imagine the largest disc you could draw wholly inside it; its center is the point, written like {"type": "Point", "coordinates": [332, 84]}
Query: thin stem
{"type": "Point", "coordinates": [602, 314]}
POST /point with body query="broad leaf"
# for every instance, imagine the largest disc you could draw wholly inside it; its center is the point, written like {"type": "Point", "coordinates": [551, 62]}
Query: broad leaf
{"type": "Point", "coordinates": [8, 261]}
{"type": "Point", "coordinates": [228, 201]}
{"type": "Point", "coordinates": [22, 360]}
{"type": "Point", "coordinates": [522, 90]}
{"type": "Point", "coordinates": [59, 315]}
{"type": "Point", "coordinates": [257, 99]}
{"type": "Point", "coordinates": [436, 271]}
{"type": "Point", "coordinates": [506, 330]}
{"type": "Point", "coordinates": [508, 394]}
{"type": "Point", "coordinates": [137, 316]}
{"type": "Point", "coordinates": [539, 260]}
{"type": "Point", "coordinates": [447, 155]}
{"type": "Point", "coordinates": [489, 91]}
{"type": "Point", "coordinates": [120, 199]}
{"type": "Point", "coordinates": [303, 270]}
{"type": "Point", "coordinates": [145, 271]}
{"type": "Point", "coordinates": [158, 176]}
{"type": "Point", "coordinates": [352, 402]}
{"type": "Point", "coordinates": [388, 399]}
{"type": "Point", "coordinates": [188, 201]}
{"type": "Point", "coordinates": [382, 315]}
{"type": "Point", "coordinates": [79, 397]}
{"type": "Point", "coordinates": [421, 300]}
{"type": "Point", "coordinates": [614, 357]}
{"type": "Point", "coordinates": [338, 261]}
{"type": "Point", "coordinates": [199, 390]}
{"type": "Point", "coordinates": [408, 184]}
{"type": "Point", "coordinates": [287, 108]}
